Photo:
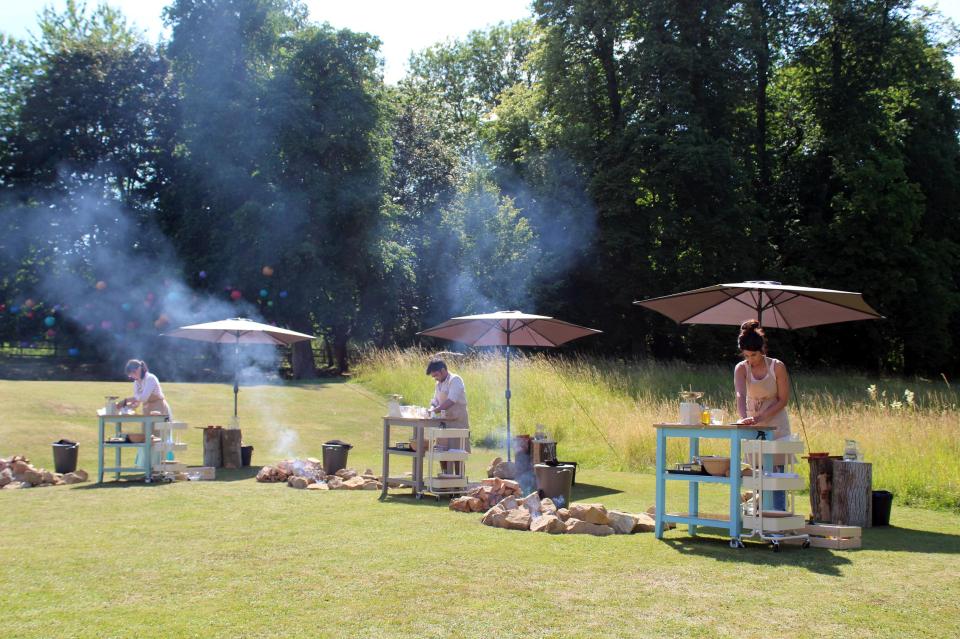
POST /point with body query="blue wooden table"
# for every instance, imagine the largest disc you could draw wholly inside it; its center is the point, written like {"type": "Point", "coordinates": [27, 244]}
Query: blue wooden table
{"type": "Point", "coordinates": [733, 433]}
{"type": "Point", "coordinates": [147, 427]}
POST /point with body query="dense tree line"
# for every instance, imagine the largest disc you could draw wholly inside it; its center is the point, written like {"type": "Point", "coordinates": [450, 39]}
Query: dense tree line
{"type": "Point", "coordinates": [597, 153]}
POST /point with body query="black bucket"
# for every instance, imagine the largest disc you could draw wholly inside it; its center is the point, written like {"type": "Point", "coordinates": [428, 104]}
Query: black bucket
{"type": "Point", "coordinates": [65, 456]}
{"type": "Point", "coordinates": [882, 504]}
{"type": "Point", "coordinates": [246, 453]}
{"type": "Point", "coordinates": [335, 456]}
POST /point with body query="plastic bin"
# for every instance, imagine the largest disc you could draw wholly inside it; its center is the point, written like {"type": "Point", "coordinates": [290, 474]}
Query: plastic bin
{"type": "Point", "coordinates": [882, 504]}
{"type": "Point", "coordinates": [65, 456]}
{"type": "Point", "coordinates": [335, 456]}
{"type": "Point", "coordinates": [246, 454]}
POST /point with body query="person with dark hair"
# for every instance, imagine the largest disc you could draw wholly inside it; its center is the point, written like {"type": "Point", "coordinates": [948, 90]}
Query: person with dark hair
{"type": "Point", "coordinates": [449, 402]}
{"type": "Point", "coordinates": [449, 395]}
{"type": "Point", "coordinates": [146, 390]}
{"type": "Point", "coordinates": [763, 389]}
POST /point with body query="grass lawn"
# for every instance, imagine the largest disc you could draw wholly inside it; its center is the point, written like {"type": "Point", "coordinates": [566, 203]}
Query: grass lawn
{"type": "Point", "coordinates": [234, 558]}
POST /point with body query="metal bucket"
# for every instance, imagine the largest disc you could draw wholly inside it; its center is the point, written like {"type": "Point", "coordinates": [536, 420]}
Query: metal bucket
{"type": "Point", "coordinates": [555, 482]}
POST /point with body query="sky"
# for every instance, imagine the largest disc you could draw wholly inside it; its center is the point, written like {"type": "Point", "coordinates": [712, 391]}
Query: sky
{"type": "Point", "coordinates": [403, 26]}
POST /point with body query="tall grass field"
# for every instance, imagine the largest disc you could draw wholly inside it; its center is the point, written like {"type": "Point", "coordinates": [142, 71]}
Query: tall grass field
{"type": "Point", "coordinates": [601, 411]}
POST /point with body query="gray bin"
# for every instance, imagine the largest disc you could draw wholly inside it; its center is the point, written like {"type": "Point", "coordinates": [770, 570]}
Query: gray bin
{"type": "Point", "coordinates": [555, 482]}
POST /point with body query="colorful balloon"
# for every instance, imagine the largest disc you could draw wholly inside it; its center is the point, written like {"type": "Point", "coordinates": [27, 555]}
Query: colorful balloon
{"type": "Point", "coordinates": [235, 295]}
{"type": "Point", "coordinates": [283, 293]}
{"type": "Point", "coordinates": [73, 352]}
{"type": "Point", "coordinates": [125, 306]}
{"type": "Point", "coordinates": [106, 325]}
{"type": "Point", "coordinates": [267, 271]}
{"type": "Point", "coordinates": [51, 333]}
{"type": "Point", "coordinates": [101, 285]}
{"type": "Point", "coordinates": [49, 321]}
{"type": "Point", "coordinates": [29, 304]}
{"type": "Point", "coordinates": [202, 275]}
{"type": "Point", "coordinates": [14, 309]}
{"type": "Point", "coordinates": [264, 292]}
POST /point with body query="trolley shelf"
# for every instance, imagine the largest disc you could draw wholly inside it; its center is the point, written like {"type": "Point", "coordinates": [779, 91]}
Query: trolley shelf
{"type": "Point", "coordinates": [774, 483]}
{"type": "Point", "coordinates": [703, 479]}
{"type": "Point", "coordinates": [774, 524]}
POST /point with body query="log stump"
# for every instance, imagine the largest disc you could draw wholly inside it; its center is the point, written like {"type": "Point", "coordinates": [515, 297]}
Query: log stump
{"type": "Point", "coordinates": [212, 449]}
{"type": "Point", "coordinates": [821, 480]}
{"type": "Point", "coordinates": [851, 502]}
{"type": "Point", "coordinates": [230, 442]}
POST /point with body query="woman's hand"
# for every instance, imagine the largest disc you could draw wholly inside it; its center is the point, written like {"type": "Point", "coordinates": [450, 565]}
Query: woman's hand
{"type": "Point", "coordinates": [748, 421]}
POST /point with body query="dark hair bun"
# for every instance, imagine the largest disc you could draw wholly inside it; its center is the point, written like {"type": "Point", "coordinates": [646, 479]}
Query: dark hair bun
{"type": "Point", "coordinates": [751, 337]}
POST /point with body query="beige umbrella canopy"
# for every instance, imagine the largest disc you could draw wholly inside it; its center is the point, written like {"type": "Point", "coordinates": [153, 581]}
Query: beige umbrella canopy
{"type": "Point", "coordinates": [508, 328]}
{"type": "Point", "coordinates": [773, 304]}
{"type": "Point", "coordinates": [238, 331]}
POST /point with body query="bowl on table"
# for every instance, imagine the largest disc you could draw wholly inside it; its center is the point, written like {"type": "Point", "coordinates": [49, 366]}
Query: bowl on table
{"type": "Point", "coordinates": [136, 438]}
{"type": "Point", "coordinates": [716, 466]}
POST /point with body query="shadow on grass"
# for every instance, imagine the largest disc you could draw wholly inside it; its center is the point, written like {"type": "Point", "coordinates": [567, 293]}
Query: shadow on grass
{"type": "Point", "coordinates": [817, 560]}
{"type": "Point", "coordinates": [582, 492]}
{"type": "Point", "coordinates": [407, 499]}
{"type": "Point", "coordinates": [896, 539]}
{"type": "Point", "coordinates": [237, 474]}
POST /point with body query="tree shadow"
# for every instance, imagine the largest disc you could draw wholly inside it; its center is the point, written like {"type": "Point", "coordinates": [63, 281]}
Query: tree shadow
{"type": "Point", "coordinates": [896, 539]}
{"type": "Point", "coordinates": [817, 560]}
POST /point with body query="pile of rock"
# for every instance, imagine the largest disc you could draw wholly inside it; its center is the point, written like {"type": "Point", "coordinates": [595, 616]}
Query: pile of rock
{"type": "Point", "coordinates": [308, 473]}
{"type": "Point", "coordinates": [18, 472]}
{"type": "Point", "coordinates": [542, 515]}
{"type": "Point", "coordinates": [502, 469]}
{"type": "Point", "coordinates": [488, 494]}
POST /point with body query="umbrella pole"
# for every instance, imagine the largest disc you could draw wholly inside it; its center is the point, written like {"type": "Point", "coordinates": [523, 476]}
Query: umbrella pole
{"type": "Point", "coordinates": [507, 395]}
{"type": "Point", "coordinates": [236, 376]}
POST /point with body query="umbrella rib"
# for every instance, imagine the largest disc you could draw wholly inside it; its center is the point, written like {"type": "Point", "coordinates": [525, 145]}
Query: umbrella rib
{"type": "Point", "coordinates": [730, 296]}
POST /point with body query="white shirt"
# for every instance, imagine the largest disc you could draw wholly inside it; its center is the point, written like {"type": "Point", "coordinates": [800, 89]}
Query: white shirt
{"type": "Point", "coordinates": [144, 388]}
{"type": "Point", "coordinates": [451, 388]}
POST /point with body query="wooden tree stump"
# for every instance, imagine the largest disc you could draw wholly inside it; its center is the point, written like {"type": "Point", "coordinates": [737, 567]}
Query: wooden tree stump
{"type": "Point", "coordinates": [851, 503]}
{"type": "Point", "coordinates": [230, 442]}
{"type": "Point", "coordinates": [212, 449]}
{"type": "Point", "coordinates": [821, 471]}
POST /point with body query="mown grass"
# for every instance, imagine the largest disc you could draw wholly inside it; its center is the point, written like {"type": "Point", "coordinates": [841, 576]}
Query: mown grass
{"type": "Point", "coordinates": [600, 411]}
{"type": "Point", "coordinates": [234, 558]}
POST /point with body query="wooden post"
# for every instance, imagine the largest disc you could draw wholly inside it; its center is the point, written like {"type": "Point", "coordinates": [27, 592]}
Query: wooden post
{"type": "Point", "coordinates": [212, 450]}
{"type": "Point", "coordinates": [820, 507]}
{"type": "Point", "coordinates": [230, 441]}
{"type": "Point", "coordinates": [851, 503]}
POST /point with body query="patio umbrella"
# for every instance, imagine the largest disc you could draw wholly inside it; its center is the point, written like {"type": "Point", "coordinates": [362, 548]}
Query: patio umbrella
{"type": "Point", "coordinates": [773, 304]}
{"type": "Point", "coordinates": [238, 331]}
{"type": "Point", "coordinates": [508, 328]}
{"type": "Point", "coordinates": [782, 306]}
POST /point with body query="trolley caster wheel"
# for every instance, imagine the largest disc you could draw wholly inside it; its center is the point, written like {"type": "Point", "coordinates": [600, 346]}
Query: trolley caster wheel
{"type": "Point", "coordinates": [736, 543]}
{"type": "Point", "coordinates": [418, 496]}
{"type": "Point", "coordinates": [776, 546]}
{"type": "Point", "coordinates": [805, 544]}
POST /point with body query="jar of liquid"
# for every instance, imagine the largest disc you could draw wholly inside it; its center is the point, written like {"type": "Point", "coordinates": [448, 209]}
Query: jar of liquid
{"type": "Point", "coordinates": [705, 416]}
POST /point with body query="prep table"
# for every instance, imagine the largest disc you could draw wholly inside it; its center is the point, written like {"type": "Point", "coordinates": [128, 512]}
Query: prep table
{"type": "Point", "coordinates": [734, 433]}
{"type": "Point", "coordinates": [148, 423]}
{"type": "Point", "coordinates": [418, 424]}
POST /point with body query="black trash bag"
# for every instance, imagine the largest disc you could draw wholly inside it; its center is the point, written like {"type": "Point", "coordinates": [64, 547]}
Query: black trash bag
{"type": "Point", "coordinates": [64, 442]}
{"type": "Point", "coordinates": [337, 442]}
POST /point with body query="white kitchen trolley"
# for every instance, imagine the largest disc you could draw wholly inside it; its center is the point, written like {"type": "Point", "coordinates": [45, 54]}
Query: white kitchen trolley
{"type": "Point", "coordinates": [773, 526]}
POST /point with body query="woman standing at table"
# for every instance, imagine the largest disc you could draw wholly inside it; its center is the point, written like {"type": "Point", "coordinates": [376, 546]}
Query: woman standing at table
{"type": "Point", "coordinates": [763, 390]}
{"type": "Point", "coordinates": [146, 390]}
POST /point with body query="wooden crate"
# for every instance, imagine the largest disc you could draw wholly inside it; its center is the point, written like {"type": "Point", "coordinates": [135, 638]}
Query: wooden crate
{"type": "Point", "coordinates": [832, 536]}
{"type": "Point", "coordinates": [205, 472]}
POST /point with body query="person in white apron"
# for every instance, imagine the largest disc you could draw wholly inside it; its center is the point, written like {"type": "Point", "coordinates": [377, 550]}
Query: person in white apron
{"type": "Point", "coordinates": [763, 391]}
{"type": "Point", "coordinates": [450, 396]}
{"type": "Point", "coordinates": [149, 396]}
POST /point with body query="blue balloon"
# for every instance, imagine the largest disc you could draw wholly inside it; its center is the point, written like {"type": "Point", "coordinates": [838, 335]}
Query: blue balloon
{"type": "Point", "coordinates": [14, 310]}
{"type": "Point", "coordinates": [49, 321]}
{"type": "Point", "coordinates": [264, 292]}
{"type": "Point", "coordinates": [283, 293]}
{"type": "Point", "coordinates": [125, 306]}
{"type": "Point", "coordinates": [73, 352]}
{"type": "Point", "coordinates": [203, 275]}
